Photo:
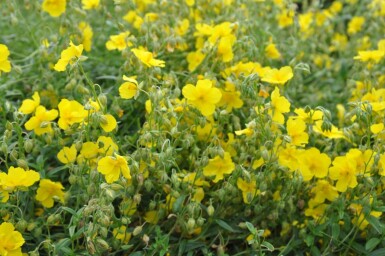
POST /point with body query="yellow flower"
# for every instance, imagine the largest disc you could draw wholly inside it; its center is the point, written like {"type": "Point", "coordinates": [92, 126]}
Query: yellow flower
{"type": "Point", "coordinates": [296, 129]}
{"type": "Point", "coordinates": [334, 133]}
{"type": "Point", "coordinates": [279, 105]}
{"type": "Point", "coordinates": [344, 171]}
{"type": "Point", "coordinates": [202, 96]}
{"type": "Point", "coordinates": [55, 8]}
{"type": "Point", "coordinates": [119, 42]}
{"type": "Point", "coordinates": [90, 4]}
{"type": "Point", "coordinates": [230, 97]}
{"type": "Point", "coordinates": [106, 146]}
{"type": "Point", "coordinates": [285, 18]}
{"type": "Point", "coordinates": [248, 189]}
{"type": "Point", "coordinates": [111, 167]}
{"type": "Point", "coordinates": [28, 106]}
{"type": "Point", "coordinates": [108, 123]}
{"type": "Point", "coordinates": [377, 128]}
{"type": "Point", "coordinates": [288, 157]}
{"type": "Point", "coordinates": [272, 52]}
{"type": "Point", "coordinates": [147, 58]}
{"type": "Point", "coordinates": [194, 59]}
{"type": "Point", "coordinates": [324, 190]}
{"type": "Point", "coordinates": [10, 240]}
{"type": "Point", "coordinates": [182, 27]}
{"type": "Point", "coordinates": [313, 163]}
{"type": "Point", "coordinates": [152, 217]}
{"type": "Point", "coordinates": [381, 165]}
{"type": "Point", "coordinates": [87, 35]}
{"type": "Point", "coordinates": [67, 155]}
{"type": "Point", "coordinates": [128, 89]}
{"type": "Point", "coordinates": [363, 160]}
{"type": "Point", "coordinates": [5, 65]}
{"type": "Point", "coordinates": [275, 76]}
{"type": "Point", "coordinates": [370, 56]}
{"type": "Point", "coordinates": [225, 50]}
{"type": "Point", "coordinates": [89, 150]}
{"type": "Point", "coordinates": [48, 191]}
{"type": "Point", "coordinates": [68, 56]}
{"type": "Point", "coordinates": [218, 167]}
{"type": "Point", "coordinates": [355, 25]}
{"type": "Point", "coordinates": [18, 177]}
{"type": "Point", "coordinates": [71, 112]}
{"type": "Point", "coordinates": [40, 122]}
{"type": "Point", "coordinates": [309, 117]}
{"type": "Point", "coordinates": [122, 234]}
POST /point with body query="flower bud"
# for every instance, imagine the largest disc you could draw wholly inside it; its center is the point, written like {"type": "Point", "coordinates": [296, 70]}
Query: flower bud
{"type": "Point", "coordinates": [22, 164]}
{"type": "Point", "coordinates": [28, 145]}
{"type": "Point", "coordinates": [102, 244]}
{"type": "Point", "coordinates": [190, 224]}
{"type": "Point", "coordinates": [137, 230]}
{"type": "Point", "coordinates": [102, 99]}
{"type": "Point", "coordinates": [210, 210]}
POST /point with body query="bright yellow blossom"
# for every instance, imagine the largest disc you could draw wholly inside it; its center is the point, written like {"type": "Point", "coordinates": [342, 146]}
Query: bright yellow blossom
{"type": "Point", "coordinates": [71, 112]}
{"type": "Point", "coordinates": [10, 240]}
{"type": "Point", "coordinates": [324, 190]}
{"type": "Point", "coordinates": [48, 191]}
{"type": "Point", "coordinates": [355, 25]}
{"type": "Point", "coordinates": [119, 42]}
{"type": "Point", "coordinates": [231, 98]}
{"type": "Point", "coordinates": [108, 123]}
{"type": "Point", "coordinates": [370, 56]}
{"type": "Point", "coordinates": [280, 77]}
{"type": "Point", "coordinates": [147, 58]}
{"type": "Point", "coordinates": [55, 8]}
{"type": "Point", "coordinates": [313, 163]}
{"type": "Point", "coordinates": [111, 167]}
{"type": "Point", "coordinates": [28, 106]}
{"type": "Point", "coordinates": [87, 35]}
{"type": "Point", "coordinates": [68, 56]}
{"type": "Point", "coordinates": [344, 171]}
{"type": "Point", "coordinates": [40, 122]}
{"type": "Point", "coordinates": [128, 89]}
{"type": "Point", "coordinates": [296, 129]}
{"type": "Point", "coordinates": [248, 189]}
{"type": "Point", "coordinates": [18, 177]}
{"type": "Point", "coordinates": [272, 52]}
{"type": "Point", "coordinates": [67, 155]}
{"type": "Point", "coordinates": [5, 65]}
{"type": "Point", "coordinates": [90, 4]}
{"type": "Point", "coordinates": [194, 59]}
{"type": "Point", "coordinates": [202, 96]}
{"type": "Point", "coordinates": [218, 167]}
{"type": "Point", "coordinates": [279, 106]}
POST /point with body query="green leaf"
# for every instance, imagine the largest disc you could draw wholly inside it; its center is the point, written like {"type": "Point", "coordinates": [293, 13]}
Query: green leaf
{"type": "Point", "coordinates": [376, 224]}
{"type": "Point", "coordinates": [178, 203]}
{"type": "Point", "coordinates": [379, 252]}
{"type": "Point", "coordinates": [68, 210]}
{"type": "Point", "coordinates": [225, 226]}
{"type": "Point", "coordinates": [335, 230]}
{"type": "Point", "coordinates": [268, 245]}
{"type": "Point", "coordinates": [372, 243]}
{"type": "Point", "coordinates": [71, 231]}
{"type": "Point", "coordinates": [250, 227]}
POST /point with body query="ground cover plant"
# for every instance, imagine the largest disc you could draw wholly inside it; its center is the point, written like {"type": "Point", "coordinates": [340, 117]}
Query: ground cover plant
{"type": "Point", "coordinates": [192, 127]}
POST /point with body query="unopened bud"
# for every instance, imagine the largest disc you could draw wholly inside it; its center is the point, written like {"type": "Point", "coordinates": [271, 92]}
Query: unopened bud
{"type": "Point", "coordinates": [22, 164]}
{"type": "Point", "coordinates": [28, 146]}
{"type": "Point", "coordinates": [137, 231]}
{"type": "Point", "coordinates": [210, 210]}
